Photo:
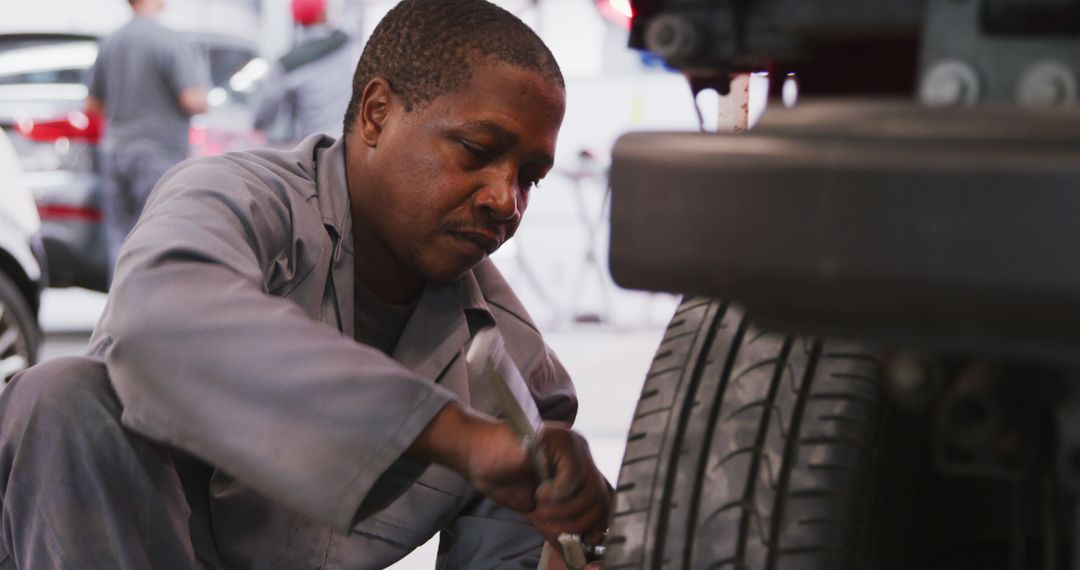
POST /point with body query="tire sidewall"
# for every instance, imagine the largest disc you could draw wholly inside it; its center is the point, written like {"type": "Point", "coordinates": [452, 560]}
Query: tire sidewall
{"type": "Point", "coordinates": [17, 310]}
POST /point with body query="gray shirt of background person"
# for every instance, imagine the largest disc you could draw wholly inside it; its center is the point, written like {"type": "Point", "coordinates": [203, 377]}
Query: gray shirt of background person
{"type": "Point", "coordinates": [139, 74]}
{"type": "Point", "coordinates": [310, 98]}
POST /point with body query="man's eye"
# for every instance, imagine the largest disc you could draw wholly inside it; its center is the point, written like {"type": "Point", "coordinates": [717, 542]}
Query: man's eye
{"type": "Point", "coordinates": [530, 182]}
{"type": "Point", "coordinates": [476, 150]}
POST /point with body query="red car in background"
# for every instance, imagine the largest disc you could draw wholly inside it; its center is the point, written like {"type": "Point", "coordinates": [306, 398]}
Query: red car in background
{"type": "Point", "coordinates": [41, 109]}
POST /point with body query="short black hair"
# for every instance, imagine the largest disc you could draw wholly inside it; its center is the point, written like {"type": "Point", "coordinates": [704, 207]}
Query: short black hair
{"type": "Point", "coordinates": [425, 48]}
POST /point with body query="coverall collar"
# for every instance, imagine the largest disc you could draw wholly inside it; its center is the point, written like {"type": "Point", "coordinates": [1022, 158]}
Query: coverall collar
{"type": "Point", "coordinates": [316, 31]}
{"type": "Point", "coordinates": [446, 315]}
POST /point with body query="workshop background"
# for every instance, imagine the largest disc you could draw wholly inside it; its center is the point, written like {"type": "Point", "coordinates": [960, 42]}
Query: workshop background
{"type": "Point", "coordinates": [605, 335]}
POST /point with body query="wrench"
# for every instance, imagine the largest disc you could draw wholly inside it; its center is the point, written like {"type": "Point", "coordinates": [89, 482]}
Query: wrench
{"type": "Point", "coordinates": [487, 358]}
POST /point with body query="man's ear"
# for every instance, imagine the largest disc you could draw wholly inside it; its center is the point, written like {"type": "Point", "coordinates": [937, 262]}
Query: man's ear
{"type": "Point", "coordinates": [375, 106]}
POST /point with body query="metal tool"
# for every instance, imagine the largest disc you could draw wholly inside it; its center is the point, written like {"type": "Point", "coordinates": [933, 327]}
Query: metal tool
{"type": "Point", "coordinates": [487, 358]}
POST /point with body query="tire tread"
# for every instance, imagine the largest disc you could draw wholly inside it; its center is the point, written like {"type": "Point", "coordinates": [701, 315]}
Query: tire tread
{"type": "Point", "coordinates": [765, 438]}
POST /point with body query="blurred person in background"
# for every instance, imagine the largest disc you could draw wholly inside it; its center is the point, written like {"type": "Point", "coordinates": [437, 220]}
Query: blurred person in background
{"type": "Point", "coordinates": [147, 82]}
{"type": "Point", "coordinates": [307, 89]}
{"type": "Point", "coordinates": [278, 379]}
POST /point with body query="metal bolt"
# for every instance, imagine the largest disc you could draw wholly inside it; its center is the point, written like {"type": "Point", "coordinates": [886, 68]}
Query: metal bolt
{"type": "Point", "coordinates": [672, 37]}
{"type": "Point", "coordinates": [972, 421]}
{"type": "Point", "coordinates": [950, 83]}
{"type": "Point", "coordinates": [1047, 84]}
{"type": "Point", "coordinates": [914, 380]}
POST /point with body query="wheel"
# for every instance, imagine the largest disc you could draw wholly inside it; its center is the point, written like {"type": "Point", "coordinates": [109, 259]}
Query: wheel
{"type": "Point", "coordinates": [19, 333]}
{"type": "Point", "coordinates": [752, 450]}
{"type": "Point", "coordinates": [749, 450]}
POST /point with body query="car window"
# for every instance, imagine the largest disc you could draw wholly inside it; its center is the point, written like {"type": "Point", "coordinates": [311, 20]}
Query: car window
{"type": "Point", "coordinates": [50, 76]}
{"type": "Point", "coordinates": [24, 61]}
{"type": "Point", "coordinates": [225, 62]}
{"type": "Point", "coordinates": [39, 63]}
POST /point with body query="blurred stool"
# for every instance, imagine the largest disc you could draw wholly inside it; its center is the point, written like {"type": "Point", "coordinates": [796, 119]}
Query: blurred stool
{"type": "Point", "coordinates": [590, 172]}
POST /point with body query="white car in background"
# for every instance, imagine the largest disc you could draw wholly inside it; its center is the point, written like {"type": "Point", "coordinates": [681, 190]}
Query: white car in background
{"type": "Point", "coordinates": [42, 97]}
{"type": "Point", "coordinates": [22, 268]}
{"type": "Point", "coordinates": [46, 49]}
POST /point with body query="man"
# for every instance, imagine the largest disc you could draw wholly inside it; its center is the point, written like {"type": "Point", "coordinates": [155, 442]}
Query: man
{"type": "Point", "coordinates": [229, 420]}
{"type": "Point", "coordinates": [148, 84]}
{"type": "Point", "coordinates": [307, 90]}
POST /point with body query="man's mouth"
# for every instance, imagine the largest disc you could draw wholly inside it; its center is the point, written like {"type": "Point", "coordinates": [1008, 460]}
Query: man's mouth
{"type": "Point", "coordinates": [485, 241]}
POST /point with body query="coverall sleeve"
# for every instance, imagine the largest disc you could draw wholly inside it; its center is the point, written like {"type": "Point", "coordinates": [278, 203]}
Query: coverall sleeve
{"type": "Point", "coordinates": [183, 66]}
{"type": "Point", "coordinates": [204, 359]}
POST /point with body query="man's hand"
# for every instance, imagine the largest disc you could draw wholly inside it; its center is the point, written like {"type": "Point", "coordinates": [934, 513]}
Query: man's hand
{"type": "Point", "coordinates": [483, 450]}
{"type": "Point", "coordinates": [577, 499]}
{"type": "Point", "coordinates": [192, 101]}
{"type": "Point", "coordinates": [489, 455]}
{"type": "Point", "coordinates": [94, 106]}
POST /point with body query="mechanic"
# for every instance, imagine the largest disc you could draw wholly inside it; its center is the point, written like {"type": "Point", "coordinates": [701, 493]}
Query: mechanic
{"type": "Point", "coordinates": [308, 89]}
{"type": "Point", "coordinates": [147, 83]}
{"type": "Point", "coordinates": [227, 415]}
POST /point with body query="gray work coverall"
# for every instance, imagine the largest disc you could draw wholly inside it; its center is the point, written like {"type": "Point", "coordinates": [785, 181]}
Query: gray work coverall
{"type": "Point", "coordinates": [228, 337]}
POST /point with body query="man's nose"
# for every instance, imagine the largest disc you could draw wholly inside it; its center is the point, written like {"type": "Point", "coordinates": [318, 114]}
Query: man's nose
{"type": "Point", "coordinates": [499, 197]}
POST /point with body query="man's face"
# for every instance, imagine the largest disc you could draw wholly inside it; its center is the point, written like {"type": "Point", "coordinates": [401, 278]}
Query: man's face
{"type": "Point", "coordinates": [150, 6]}
{"type": "Point", "coordinates": [448, 183]}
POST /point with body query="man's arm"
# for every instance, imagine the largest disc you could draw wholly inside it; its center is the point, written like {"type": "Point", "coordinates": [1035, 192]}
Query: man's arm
{"type": "Point", "coordinates": [95, 84]}
{"type": "Point", "coordinates": [193, 101]}
{"type": "Point", "coordinates": [486, 534]}
{"type": "Point", "coordinates": [489, 455]}
{"type": "Point", "coordinates": [204, 359]}
{"type": "Point", "coordinates": [94, 106]}
{"type": "Point", "coordinates": [185, 72]}
{"type": "Point", "coordinates": [484, 451]}
{"type": "Point", "coordinates": [272, 95]}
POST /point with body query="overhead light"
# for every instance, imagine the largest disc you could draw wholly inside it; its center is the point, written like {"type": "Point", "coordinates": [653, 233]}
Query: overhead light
{"type": "Point", "coordinates": [252, 72]}
{"type": "Point", "coordinates": [623, 7]}
{"type": "Point", "coordinates": [618, 11]}
{"type": "Point", "coordinates": [217, 97]}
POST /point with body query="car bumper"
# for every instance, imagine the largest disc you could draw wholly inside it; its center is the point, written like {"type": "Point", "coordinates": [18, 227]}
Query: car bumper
{"type": "Point", "coordinates": [72, 232]}
{"type": "Point", "coordinates": [902, 224]}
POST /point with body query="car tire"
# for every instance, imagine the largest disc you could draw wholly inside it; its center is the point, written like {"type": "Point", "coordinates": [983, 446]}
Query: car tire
{"type": "Point", "coordinates": [750, 450]}
{"type": "Point", "coordinates": [20, 336]}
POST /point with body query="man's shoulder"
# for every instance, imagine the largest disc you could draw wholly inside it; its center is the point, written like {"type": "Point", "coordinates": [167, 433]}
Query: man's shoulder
{"type": "Point", "coordinates": [136, 26]}
{"type": "Point", "coordinates": [283, 172]}
{"type": "Point", "coordinates": [313, 50]}
{"type": "Point", "coordinates": [144, 31]}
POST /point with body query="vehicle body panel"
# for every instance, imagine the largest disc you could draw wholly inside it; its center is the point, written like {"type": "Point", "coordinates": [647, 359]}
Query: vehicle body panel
{"type": "Point", "coordinates": [21, 252]}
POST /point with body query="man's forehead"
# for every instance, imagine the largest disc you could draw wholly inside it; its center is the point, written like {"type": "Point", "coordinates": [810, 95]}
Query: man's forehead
{"type": "Point", "coordinates": [506, 87]}
{"type": "Point", "coordinates": [483, 72]}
